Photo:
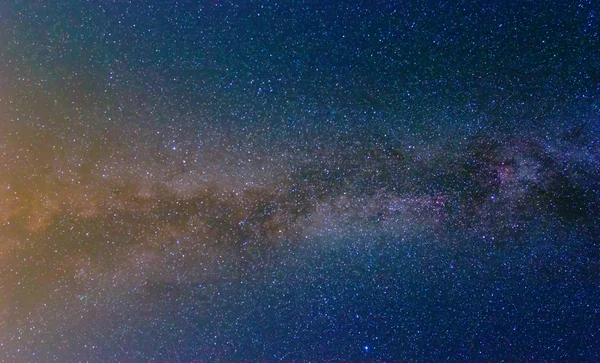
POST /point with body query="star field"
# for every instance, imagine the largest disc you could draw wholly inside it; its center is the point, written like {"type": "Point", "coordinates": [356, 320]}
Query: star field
{"type": "Point", "coordinates": [303, 181]}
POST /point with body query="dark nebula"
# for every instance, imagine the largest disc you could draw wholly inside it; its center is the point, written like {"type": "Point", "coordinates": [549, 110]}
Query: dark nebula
{"type": "Point", "coordinates": [302, 181]}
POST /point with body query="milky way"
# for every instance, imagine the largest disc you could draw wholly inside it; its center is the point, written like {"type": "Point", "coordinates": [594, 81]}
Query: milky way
{"type": "Point", "coordinates": [364, 181]}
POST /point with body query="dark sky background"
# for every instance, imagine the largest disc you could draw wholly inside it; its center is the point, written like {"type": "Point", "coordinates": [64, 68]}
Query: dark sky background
{"type": "Point", "coordinates": [299, 181]}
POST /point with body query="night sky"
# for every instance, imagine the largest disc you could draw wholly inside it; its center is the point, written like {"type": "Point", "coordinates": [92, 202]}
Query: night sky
{"type": "Point", "coordinates": [299, 181]}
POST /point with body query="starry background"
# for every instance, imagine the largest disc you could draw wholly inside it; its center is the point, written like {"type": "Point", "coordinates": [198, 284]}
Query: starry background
{"type": "Point", "coordinates": [300, 180]}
